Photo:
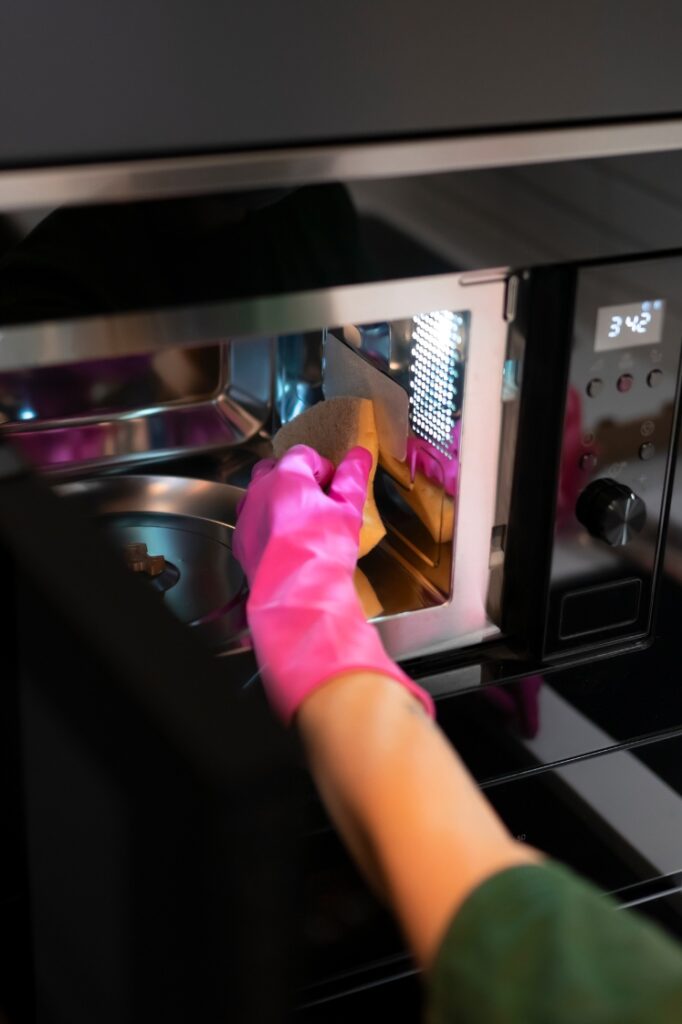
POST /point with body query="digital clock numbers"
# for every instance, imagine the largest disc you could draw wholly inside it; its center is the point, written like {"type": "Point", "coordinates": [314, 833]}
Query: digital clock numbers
{"type": "Point", "coordinates": [639, 323]}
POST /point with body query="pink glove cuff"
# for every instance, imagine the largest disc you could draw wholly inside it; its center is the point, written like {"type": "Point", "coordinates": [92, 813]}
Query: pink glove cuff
{"type": "Point", "coordinates": [318, 650]}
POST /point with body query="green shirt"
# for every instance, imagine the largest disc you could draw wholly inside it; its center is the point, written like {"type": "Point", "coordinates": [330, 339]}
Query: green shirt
{"type": "Point", "coordinates": [536, 945]}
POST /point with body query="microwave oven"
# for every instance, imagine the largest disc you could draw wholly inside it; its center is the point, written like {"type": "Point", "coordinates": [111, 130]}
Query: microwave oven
{"type": "Point", "coordinates": [525, 421]}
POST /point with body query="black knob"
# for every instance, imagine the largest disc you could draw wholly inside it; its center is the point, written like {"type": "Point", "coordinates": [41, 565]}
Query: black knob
{"type": "Point", "coordinates": [611, 511]}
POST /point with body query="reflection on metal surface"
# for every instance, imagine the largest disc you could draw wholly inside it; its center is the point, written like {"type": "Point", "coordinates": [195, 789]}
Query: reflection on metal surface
{"type": "Point", "coordinates": [148, 434]}
{"type": "Point", "coordinates": [612, 785]}
{"type": "Point", "coordinates": [457, 680]}
{"type": "Point", "coordinates": [191, 523]}
{"type": "Point", "coordinates": [91, 390]}
{"type": "Point", "coordinates": [298, 376]}
{"type": "Point", "coordinates": [535, 215]}
{"type": "Point", "coordinates": [206, 408]}
{"type": "Point", "coordinates": [432, 587]}
{"type": "Point", "coordinates": [145, 179]}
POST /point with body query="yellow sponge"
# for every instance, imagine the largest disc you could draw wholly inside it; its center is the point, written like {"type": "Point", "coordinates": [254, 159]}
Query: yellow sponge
{"type": "Point", "coordinates": [369, 599]}
{"type": "Point", "coordinates": [332, 428]}
{"type": "Point", "coordinates": [427, 499]}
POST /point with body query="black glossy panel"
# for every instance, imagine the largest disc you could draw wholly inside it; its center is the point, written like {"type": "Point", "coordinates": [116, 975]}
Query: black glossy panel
{"type": "Point", "coordinates": [531, 216]}
{"type": "Point", "coordinates": [78, 83]}
{"type": "Point", "coordinates": [610, 513]}
{"type": "Point", "coordinates": [628, 847]}
{"type": "Point", "coordinates": [160, 254]}
{"type": "Point", "coordinates": [77, 261]}
{"type": "Point", "coordinates": [598, 608]}
{"type": "Point", "coordinates": [554, 716]}
{"type": "Point", "coordinates": [396, 996]}
{"type": "Point", "coordinates": [394, 989]}
{"type": "Point", "coordinates": [666, 911]}
{"type": "Point", "coordinates": [15, 939]}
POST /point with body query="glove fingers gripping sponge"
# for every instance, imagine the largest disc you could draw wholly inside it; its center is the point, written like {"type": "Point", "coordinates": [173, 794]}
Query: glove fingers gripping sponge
{"type": "Point", "coordinates": [332, 428]}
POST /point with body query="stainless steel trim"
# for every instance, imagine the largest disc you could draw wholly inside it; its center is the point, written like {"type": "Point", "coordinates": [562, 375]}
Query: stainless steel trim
{"type": "Point", "coordinates": [178, 176]}
{"type": "Point", "coordinates": [484, 276]}
{"type": "Point", "coordinates": [511, 299]}
{"type": "Point", "coordinates": [61, 342]}
{"type": "Point", "coordinates": [464, 621]}
{"type": "Point", "coordinates": [509, 428]}
{"type": "Point", "coordinates": [150, 435]}
{"type": "Point", "coordinates": [74, 444]}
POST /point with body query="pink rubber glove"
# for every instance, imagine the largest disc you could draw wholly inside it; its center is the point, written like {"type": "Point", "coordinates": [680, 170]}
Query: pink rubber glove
{"type": "Point", "coordinates": [298, 547]}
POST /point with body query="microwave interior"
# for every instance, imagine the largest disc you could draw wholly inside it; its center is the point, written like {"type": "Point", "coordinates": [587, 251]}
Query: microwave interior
{"type": "Point", "coordinates": [160, 446]}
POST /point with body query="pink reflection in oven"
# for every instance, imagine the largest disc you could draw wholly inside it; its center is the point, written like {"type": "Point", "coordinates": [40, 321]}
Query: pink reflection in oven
{"type": "Point", "coordinates": [438, 467]}
{"type": "Point", "coordinates": [172, 429]}
{"type": "Point", "coordinates": [519, 702]}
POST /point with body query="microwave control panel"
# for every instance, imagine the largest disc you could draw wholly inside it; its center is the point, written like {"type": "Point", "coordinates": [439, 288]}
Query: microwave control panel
{"type": "Point", "coordinates": [616, 453]}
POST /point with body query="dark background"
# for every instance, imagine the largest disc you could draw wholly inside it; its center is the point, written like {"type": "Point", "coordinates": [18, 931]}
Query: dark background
{"type": "Point", "coordinates": [87, 80]}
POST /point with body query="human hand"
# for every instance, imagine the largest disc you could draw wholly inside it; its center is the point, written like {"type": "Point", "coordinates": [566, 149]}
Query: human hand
{"type": "Point", "coordinates": [287, 507]}
{"type": "Point", "coordinates": [297, 540]}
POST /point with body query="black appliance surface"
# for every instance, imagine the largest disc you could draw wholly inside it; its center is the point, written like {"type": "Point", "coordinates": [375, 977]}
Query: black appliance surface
{"type": "Point", "coordinates": [143, 80]}
{"type": "Point", "coordinates": [110, 258]}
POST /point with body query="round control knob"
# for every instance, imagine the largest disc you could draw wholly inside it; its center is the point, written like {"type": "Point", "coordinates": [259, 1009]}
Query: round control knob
{"type": "Point", "coordinates": [611, 511]}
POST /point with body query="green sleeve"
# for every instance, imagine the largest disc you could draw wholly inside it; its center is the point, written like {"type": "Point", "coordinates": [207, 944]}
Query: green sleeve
{"type": "Point", "coordinates": [536, 945]}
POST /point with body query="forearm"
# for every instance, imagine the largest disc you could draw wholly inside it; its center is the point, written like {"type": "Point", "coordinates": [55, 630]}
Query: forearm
{"type": "Point", "coordinates": [404, 802]}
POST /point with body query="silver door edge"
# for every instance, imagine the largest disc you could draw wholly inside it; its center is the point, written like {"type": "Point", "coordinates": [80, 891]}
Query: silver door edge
{"type": "Point", "coordinates": [158, 178]}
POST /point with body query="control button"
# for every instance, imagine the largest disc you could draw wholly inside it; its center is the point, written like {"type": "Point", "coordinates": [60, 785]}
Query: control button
{"type": "Point", "coordinates": [625, 382]}
{"type": "Point", "coordinates": [588, 461]}
{"type": "Point", "coordinates": [654, 378]}
{"type": "Point", "coordinates": [647, 450]}
{"type": "Point", "coordinates": [594, 387]}
{"type": "Point", "coordinates": [611, 511]}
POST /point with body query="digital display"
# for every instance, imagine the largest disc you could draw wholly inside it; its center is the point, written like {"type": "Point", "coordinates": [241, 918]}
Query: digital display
{"type": "Point", "coordinates": [638, 323]}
